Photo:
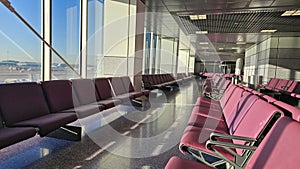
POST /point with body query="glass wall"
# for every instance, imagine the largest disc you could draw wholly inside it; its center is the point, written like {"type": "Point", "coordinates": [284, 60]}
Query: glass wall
{"type": "Point", "coordinates": [20, 49]}
{"type": "Point", "coordinates": [95, 38]}
{"type": "Point", "coordinates": [119, 38]}
{"type": "Point", "coordinates": [66, 37]}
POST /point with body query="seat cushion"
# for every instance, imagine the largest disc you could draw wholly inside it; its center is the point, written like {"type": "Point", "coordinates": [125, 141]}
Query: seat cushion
{"type": "Point", "coordinates": [109, 103]}
{"type": "Point", "coordinates": [48, 123]}
{"type": "Point", "coordinates": [196, 137]}
{"type": "Point", "coordinates": [9, 136]}
{"type": "Point", "coordinates": [85, 110]}
{"type": "Point", "coordinates": [207, 122]}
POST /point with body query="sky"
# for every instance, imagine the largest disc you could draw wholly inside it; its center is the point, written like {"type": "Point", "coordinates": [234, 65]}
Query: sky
{"type": "Point", "coordinates": [17, 42]}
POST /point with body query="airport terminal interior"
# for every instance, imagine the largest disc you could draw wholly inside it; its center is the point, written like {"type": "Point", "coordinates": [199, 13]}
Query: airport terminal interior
{"type": "Point", "coordinates": [149, 84]}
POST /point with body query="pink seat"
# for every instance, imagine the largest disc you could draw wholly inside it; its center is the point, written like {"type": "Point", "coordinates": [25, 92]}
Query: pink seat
{"type": "Point", "coordinates": [280, 148]}
{"type": "Point", "coordinates": [180, 163]}
{"type": "Point", "coordinates": [290, 110]}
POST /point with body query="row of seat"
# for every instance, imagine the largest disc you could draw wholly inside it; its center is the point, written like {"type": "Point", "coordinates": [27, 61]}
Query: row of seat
{"type": "Point", "coordinates": [215, 86]}
{"type": "Point", "coordinates": [288, 87]}
{"type": "Point", "coordinates": [228, 130]}
{"type": "Point", "coordinates": [279, 149]}
{"type": "Point", "coordinates": [163, 81]}
{"type": "Point", "coordinates": [212, 75]}
{"type": "Point", "coordinates": [30, 108]}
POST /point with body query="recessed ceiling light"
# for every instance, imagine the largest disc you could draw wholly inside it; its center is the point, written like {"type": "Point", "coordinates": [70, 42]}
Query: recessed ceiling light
{"type": "Point", "coordinates": [201, 32]}
{"type": "Point", "coordinates": [197, 17]}
{"type": "Point", "coordinates": [288, 13]}
{"type": "Point", "coordinates": [203, 43]}
{"type": "Point", "coordinates": [221, 48]}
{"type": "Point", "coordinates": [268, 31]}
{"type": "Point", "coordinates": [291, 13]}
{"type": "Point", "coordinates": [297, 13]}
{"type": "Point", "coordinates": [201, 16]}
{"type": "Point", "coordinates": [193, 17]}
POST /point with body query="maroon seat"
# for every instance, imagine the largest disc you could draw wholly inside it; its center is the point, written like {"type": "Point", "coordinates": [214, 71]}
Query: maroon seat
{"type": "Point", "coordinates": [129, 87]}
{"type": "Point", "coordinates": [59, 95]}
{"type": "Point", "coordinates": [120, 91]}
{"type": "Point", "coordinates": [105, 93]}
{"type": "Point", "coordinates": [24, 105]}
{"type": "Point", "coordinates": [10, 136]}
{"type": "Point", "coordinates": [87, 97]}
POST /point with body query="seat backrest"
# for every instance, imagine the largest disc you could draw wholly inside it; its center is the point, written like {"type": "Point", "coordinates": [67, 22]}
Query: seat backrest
{"type": "Point", "coordinates": [22, 101]}
{"type": "Point", "coordinates": [103, 88]}
{"type": "Point", "coordinates": [59, 95]}
{"type": "Point", "coordinates": [227, 94]}
{"type": "Point", "coordinates": [282, 83]}
{"type": "Point", "coordinates": [240, 110]}
{"type": "Point", "coordinates": [272, 83]}
{"type": "Point", "coordinates": [289, 110]}
{"type": "Point", "coordinates": [85, 91]}
{"type": "Point", "coordinates": [232, 100]}
{"type": "Point", "coordinates": [280, 148]}
{"type": "Point", "coordinates": [254, 122]}
{"type": "Point", "coordinates": [127, 84]}
{"type": "Point", "coordinates": [118, 86]}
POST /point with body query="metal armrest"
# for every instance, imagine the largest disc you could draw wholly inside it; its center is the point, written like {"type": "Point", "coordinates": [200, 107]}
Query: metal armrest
{"type": "Point", "coordinates": [213, 137]}
{"type": "Point", "coordinates": [228, 147]}
{"type": "Point", "coordinates": [225, 145]}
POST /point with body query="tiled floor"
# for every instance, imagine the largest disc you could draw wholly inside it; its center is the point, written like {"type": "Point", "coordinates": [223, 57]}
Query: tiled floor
{"type": "Point", "coordinates": [120, 138]}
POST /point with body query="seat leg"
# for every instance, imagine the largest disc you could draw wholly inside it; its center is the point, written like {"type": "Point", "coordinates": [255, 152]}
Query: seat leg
{"type": "Point", "coordinates": [70, 133]}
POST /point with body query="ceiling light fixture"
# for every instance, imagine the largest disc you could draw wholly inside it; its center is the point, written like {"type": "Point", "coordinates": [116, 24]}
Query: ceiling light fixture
{"type": "Point", "coordinates": [297, 13]}
{"type": "Point", "coordinates": [268, 31]}
{"type": "Point", "coordinates": [197, 17]}
{"type": "Point", "coordinates": [291, 13]}
{"type": "Point", "coordinates": [202, 32]}
{"type": "Point", "coordinates": [193, 17]}
{"type": "Point", "coordinates": [203, 43]}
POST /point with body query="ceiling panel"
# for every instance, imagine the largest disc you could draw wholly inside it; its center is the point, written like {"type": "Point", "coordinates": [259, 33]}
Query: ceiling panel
{"type": "Point", "coordinates": [228, 22]}
{"type": "Point", "coordinates": [248, 22]}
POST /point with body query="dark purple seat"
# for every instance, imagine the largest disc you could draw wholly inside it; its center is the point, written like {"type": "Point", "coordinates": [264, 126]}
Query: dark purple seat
{"type": "Point", "coordinates": [10, 136]}
{"type": "Point", "coordinates": [24, 105]}
{"type": "Point", "coordinates": [129, 87]}
{"type": "Point", "coordinates": [105, 93]}
{"type": "Point", "coordinates": [120, 91]}
{"type": "Point", "coordinates": [87, 96]}
{"type": "Point", "coordinates": [59, 95]}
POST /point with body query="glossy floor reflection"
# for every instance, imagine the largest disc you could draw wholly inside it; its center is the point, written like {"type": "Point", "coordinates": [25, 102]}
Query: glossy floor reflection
{"type": "Point", "coordinates": [120, 138]}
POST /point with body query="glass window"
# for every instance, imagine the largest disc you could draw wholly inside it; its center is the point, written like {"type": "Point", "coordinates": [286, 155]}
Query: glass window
{"type": "Point", "coordinates": [20, 49]}
{"type": "Point", "coordinates": [65, 37]}
{"type": "Point", "coordinates": [95, 37]}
